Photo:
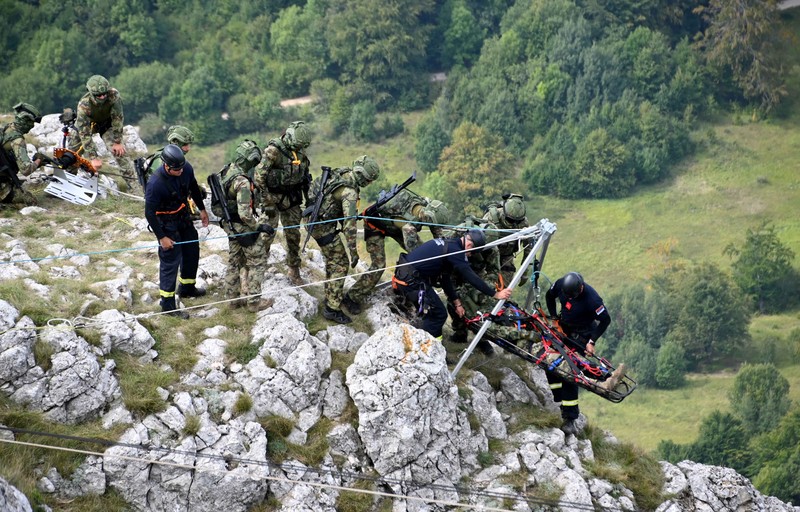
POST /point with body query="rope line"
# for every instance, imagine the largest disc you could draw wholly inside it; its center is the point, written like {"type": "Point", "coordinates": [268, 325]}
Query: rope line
{"type": "Point", "coordinates": [84, 322]}
{"type": "Point", "coordinates": [407, 485]}
{"type": "Point", "coordinates": [204, 239]}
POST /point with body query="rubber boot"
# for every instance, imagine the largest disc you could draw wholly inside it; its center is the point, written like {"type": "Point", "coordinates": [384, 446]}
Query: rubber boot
{"type": "Point", "coordinates": [190, 291]}
{"type": "Point", "coordinates": [168, 306]}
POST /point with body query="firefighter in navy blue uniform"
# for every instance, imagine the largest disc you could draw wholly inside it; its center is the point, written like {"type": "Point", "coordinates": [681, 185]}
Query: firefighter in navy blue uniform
{"type": "Point", "coordinates": [167, 211]}
{"type": "Point", "coordinates": [584, 319]}
{"type": "Point", "coordinates": [432, 264]}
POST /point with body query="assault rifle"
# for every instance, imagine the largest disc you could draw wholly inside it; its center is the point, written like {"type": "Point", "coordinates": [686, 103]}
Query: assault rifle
{"type": "Point", "coordinates": [141, 175]}
{"type": "Point", "coordinates": [313, 212]}
{"type": "Point", "coordinates": [384, 197]}
{"type": "Point", "coordinates": [218, 197]}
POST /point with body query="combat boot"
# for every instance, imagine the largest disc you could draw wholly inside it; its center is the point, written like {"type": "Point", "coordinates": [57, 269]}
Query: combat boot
{"type": "Point", "coordinates": [351, 305]}
{"type": "Point", "coordinates": [570, 427]}
{"type": "Point", "coordinates": [168, 306]}
{"type": "Point", "coordinates": [335, 315]}
{"type": "Point", "coordinates": [612, 381]}
{"type": "Point", "coordinates": [261, 305]}
{"type": "Point", "coordinates": [236, 304]}
{"type": "Point", "coordinates": [190, 291]}
{"type": "Point", "coordinates": [486, 348]}
{"type": "Point", "coordinates": [294, 276]}
{"type": "Point", "coordinates": [458, 337]}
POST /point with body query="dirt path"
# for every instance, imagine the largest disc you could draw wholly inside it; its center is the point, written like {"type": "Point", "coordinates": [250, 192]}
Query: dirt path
{"type": "Point", "coordinates": [788, 4]}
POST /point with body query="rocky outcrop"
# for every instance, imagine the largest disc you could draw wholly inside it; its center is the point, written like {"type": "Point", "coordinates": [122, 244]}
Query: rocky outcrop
{"type": "Point", "coordinates": [11, 499]}
{"type": "Point", "coordinates": [75, 387]}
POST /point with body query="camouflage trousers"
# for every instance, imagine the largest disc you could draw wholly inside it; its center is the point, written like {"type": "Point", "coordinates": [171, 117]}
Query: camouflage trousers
{"type": "Point", "coordinates": [12, 195]}
{"type": "Point", "coordinates": [289, 219]}
{"type": "Point", "coordinates": [365, 283]}
{"type": "Point", "coordinates": [336, 265]}
{"type": "Point", "coordinates": [252, 260]}
{"type": "Point", "coordinates": [124, 162]}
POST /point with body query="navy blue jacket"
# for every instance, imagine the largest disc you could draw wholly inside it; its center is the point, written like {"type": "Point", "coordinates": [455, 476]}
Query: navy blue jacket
{"type": "Point", "coordinates": [585, 314]}
{"type": "Point", "coordinates": [166, 197]}
{"type": "Point", "coordinates": [441, 268]}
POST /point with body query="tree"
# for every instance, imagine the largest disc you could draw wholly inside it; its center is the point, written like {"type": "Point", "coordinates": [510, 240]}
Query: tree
{"type": "Point", "coordinates": [776, 459]}
{"type": "Point", "coordinates": [763, 268]}
{"type": "Point", "coordinates": [711, 318]}
{"type": "Point", "coordinates": [463, 37]}
{"type": "Point", "coordinates": [477, 166]}
{"type": "Point", "coordinates": [741, 36]}
{"type": "Point", "coordinates": [671, 366]}
{"type": "Point", "coordinates": [379, 43]}
{"type": "Point", "coordinates": [362, 121]}
{"type": "Point", "coordinates": [600, 168]}
{"type": "Point", "coordinates": [639, 356]}
{"type": "Point", "coordinates": [142, 87]}
{"type": "Point", "coordinates": [760, 397]}
{"type": "Point", "coordinates": [301, 58]}
{"type": "Point", "coordinates": [431, 137]}
{"type": "Point", "coordinates": [722, 441]}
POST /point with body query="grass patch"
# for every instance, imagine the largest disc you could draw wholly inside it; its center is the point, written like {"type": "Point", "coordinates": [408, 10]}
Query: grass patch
{"type": "Point", "coordinates": [139, 383]}
{"type": "Point", "coordinates": [240, 349]}
{"type": "Point", "coordinates": [280, 449]}
{"type": "Point", "coordinates": [628, 465]}
{"type": "Point", "coordinates": [526, 416]}
{"type": "Point", "coordinates": [485, 459]}
{"type": "Point", "coordinates": [352, 501]}
{"type": "Point", "coordinates": [19, 462]}
{"type": "Point", "coordinates": [243, 404]}
{"type": "Point", "coordinates": [192, 425]}
{"type": "Point", "coordinates": [42, 354]}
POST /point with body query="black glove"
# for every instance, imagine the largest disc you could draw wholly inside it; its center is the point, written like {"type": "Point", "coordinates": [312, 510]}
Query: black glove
{"type": "Point", "coordinates": [42, 158]}
{"type": "Point", "coordinates": [266, 228]}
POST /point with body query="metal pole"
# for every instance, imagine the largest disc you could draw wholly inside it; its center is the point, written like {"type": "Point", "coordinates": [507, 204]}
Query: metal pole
{"type": "Point", "coordinates": [547, 229]}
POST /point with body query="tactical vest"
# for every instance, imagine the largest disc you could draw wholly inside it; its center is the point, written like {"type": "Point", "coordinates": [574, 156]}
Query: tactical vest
{"type": "Point", "coordinates": [230, 199]}
{"type": "Point", "coordinates": [8, 133]}
{"type": "Point", "coordinates": [290, 173]}
{"type": "Point", "coordinates": [335, 180]}
{"type": "Point", "coordinates": [402, 206]}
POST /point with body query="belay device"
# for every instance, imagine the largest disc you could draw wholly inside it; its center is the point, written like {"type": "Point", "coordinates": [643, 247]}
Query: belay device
{"type": "Point", "coordinates": [73, 188]}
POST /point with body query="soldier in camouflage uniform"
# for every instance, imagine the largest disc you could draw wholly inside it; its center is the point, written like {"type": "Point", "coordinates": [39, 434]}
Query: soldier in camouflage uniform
{"type": "Point", "coordinates": [486, 264]}
{"type": "Point", "coordinates": [340, 201]}
{"type": "Point", "coordinates": [509, 215]}
{"type": "Point", "coordinates": [402, 219]}
{"type": "Point", "coordinates": [14, 154]}
{"type": "Point", "coordinates": [179, 135]}
{"type": "Point", "coordinates": [245, 251]}
{"type": "Point", "coordinates": [100, 111]}
{"type": "Point", "coordinates": [283, 178]}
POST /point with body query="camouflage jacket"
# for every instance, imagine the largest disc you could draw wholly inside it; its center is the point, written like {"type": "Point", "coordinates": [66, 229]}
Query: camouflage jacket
{"type": "Point", "coordinates": [14, 145]}
{"type": "Point", "coordinates": [98, 118]}
{"type": "Point", "coordinates": [340, 201]}
{"type": "Point", "coordinates": [508, 250]}
{"type": "Point", "coordinates": [282, 170]}
{"type": "Point", "coordinates": [241, 196]}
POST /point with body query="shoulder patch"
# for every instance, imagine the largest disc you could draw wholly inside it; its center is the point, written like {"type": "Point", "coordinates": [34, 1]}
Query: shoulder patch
{"type": "Point", "coordinates": [600, 310]}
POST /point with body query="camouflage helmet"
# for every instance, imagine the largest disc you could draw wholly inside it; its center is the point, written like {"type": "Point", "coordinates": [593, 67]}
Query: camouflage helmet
{"type": "Point", "coordinates": [97, 84]}
{"type": "Point", "coordinates": [248, 154]}
{"type": "Point", "coordinates": [25, 117]}
{"type": "Point", "coordinates": [365, 170]}
{"type": "Point", "coordinates": [514, 208]}
{"type": "Point", "coordinates": [29, 111]}
{"type": "Point", "coordinates": [297, 135]}
{"type": "Point", "coordinates": [436, 212]}
{"type": "Point", "coordinates": [180, 135]}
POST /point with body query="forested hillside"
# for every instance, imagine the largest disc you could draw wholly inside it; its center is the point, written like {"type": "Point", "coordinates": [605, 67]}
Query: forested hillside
{"type": "Point", "coordinates": [579, 103]}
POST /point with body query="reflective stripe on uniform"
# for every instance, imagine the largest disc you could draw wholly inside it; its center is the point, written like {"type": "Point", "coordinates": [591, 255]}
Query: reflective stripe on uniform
{"type": "Point", "coordinates": [166, 294]}
{"type": "Point", "coordinates": [186, 281]}
{"type": "Point", "coordinates": [569, 403]}
{"type": "Point", "coordinates": [556, 385]}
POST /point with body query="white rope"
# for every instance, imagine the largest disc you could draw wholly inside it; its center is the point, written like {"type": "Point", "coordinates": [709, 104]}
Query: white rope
{"type": "Point", "coordinates": [263, 477]}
